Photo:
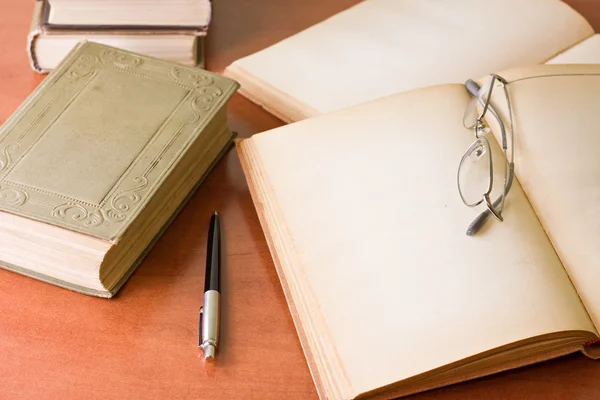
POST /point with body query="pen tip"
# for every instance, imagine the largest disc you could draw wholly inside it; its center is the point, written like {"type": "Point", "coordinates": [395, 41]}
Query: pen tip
{"type": "Point", "coordinates": [209, 352]}
{"type": "Point", "coordinates": [216, 214]}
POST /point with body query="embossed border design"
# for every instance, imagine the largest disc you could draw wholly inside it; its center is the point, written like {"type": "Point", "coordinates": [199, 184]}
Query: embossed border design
{"type": "Point", "coordinates": [129, 191]}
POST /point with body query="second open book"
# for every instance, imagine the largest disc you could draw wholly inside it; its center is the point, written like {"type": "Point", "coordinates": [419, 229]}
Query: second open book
{"type": "Point", "coordinates": [365, 224]}
{"type": "Point", "coordinates": [380, 47]}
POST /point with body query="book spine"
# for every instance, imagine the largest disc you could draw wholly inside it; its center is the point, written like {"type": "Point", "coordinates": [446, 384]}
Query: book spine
{"type": "Point", "coordinates": [34, 32]}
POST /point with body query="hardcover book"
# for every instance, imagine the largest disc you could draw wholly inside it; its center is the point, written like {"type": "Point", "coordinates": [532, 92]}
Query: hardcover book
{"type": "Point", "coordinates": [170, 39]}
{"type": "Point", "coordinates": [193, 14]}
{"type": "Point", "coordinates": [364, 221]}
{"type": "Point", "coordinates": [99, 158]}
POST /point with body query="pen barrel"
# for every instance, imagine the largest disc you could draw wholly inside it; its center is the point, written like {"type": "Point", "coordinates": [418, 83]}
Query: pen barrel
{"type": "Point", "coordinates": [211, 320]}
{"type": "Point", "coordinates": [213, 256]}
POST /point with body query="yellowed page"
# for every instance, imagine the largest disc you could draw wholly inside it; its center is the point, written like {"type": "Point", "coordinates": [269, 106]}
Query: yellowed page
{"type": "Point", "coordinates": [382, 47]}
{"type": "Point", "coordinates": [378, 251]}
{"type": "Point", "coordinates": [586, 52]}
{"type": "Point", "coordinates": [557, 145]}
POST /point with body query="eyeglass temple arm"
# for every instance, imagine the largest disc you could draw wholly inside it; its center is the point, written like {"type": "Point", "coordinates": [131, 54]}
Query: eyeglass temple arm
{"type": "Point", "coordinates": [478, 222]}
{"type": "Point", "coordinates": [473, 88]}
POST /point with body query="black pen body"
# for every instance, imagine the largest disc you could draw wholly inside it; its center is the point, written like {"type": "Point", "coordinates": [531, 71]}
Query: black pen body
{"type": "Point", "coordinates": [210, 313]}
{"type": "Point", "coordinates": [212, 280]}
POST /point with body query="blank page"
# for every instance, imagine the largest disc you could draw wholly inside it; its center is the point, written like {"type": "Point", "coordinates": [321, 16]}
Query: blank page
{"type": "Point", "coordinates": [382, 47]}
{"type": "Point", "coordinates": [557, 143]}
{"type": "Point", "coordinates": [378, 246]}
{"type": "Point", "coordinates": [586, 52]}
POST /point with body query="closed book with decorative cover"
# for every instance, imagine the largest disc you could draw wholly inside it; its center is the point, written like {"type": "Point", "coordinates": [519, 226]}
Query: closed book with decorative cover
{"type": "Point", "coordinates": [99, 158]}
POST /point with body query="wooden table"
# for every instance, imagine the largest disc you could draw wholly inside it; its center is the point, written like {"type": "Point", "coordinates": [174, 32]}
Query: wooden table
{"type": "Point", "coordinates": [56, 344]}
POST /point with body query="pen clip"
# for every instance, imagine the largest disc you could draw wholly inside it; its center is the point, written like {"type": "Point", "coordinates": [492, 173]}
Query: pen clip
{"type": "Point", "coordinates": [200, 315]}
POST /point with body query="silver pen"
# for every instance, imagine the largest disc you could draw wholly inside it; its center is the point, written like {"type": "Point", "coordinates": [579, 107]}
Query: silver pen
{"type": "Point", "coordinates": [210, 312]}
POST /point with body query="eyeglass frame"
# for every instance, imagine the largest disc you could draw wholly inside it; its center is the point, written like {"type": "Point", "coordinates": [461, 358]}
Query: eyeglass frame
{"type": "Point", "coordinates": [491, 208]}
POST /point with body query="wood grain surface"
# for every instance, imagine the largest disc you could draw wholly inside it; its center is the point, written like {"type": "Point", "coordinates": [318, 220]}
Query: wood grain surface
{"type": "Point", "coordinates": [56, 344]}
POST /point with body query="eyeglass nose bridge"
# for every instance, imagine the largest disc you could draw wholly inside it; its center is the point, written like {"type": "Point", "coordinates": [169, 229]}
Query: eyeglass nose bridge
{"type": "Point", "coordinates": [480, 129]}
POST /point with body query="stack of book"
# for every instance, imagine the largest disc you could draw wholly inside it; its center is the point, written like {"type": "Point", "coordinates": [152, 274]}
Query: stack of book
{"type": "Point", "coordinates": [171, 30]}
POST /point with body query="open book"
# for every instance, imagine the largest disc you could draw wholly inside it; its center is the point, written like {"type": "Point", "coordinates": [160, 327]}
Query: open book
{"type": "Point", "coordinates": [364, 221]}
{"type": "Point", "coordinates": [381, 47]}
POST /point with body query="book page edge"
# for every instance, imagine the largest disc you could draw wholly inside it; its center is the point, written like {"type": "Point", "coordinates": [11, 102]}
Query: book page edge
{"type": "Point", "coordinates": [243, 150]}
{"type": "Point", "coordinates": [274, 101]}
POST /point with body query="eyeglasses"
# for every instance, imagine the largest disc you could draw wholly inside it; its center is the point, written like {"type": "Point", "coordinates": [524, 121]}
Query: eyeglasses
{"type": "Point", "coordinates": [475, 177]}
